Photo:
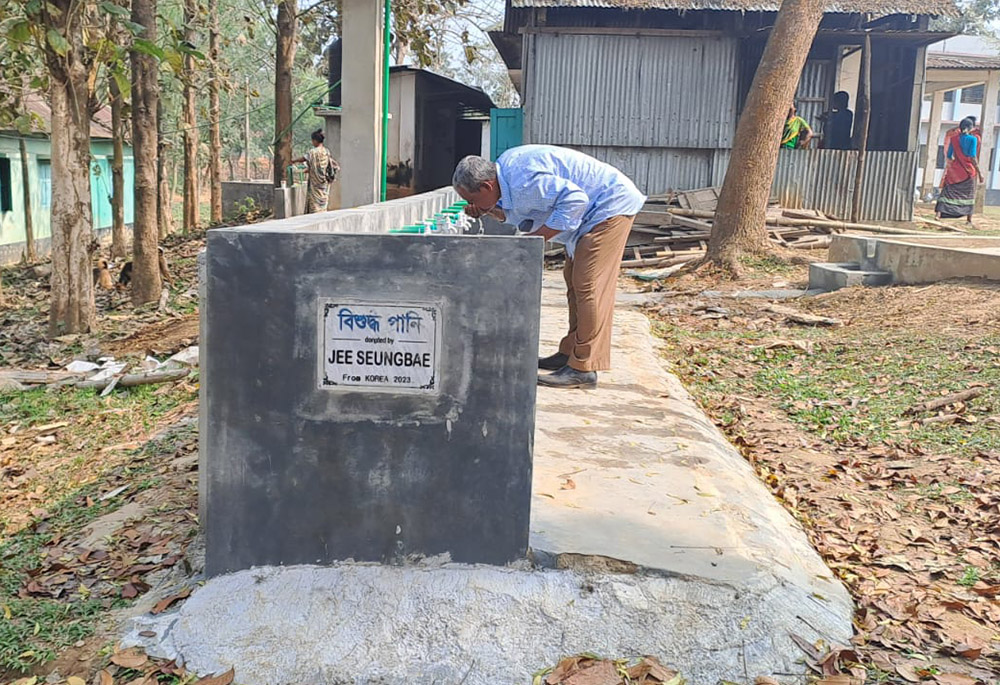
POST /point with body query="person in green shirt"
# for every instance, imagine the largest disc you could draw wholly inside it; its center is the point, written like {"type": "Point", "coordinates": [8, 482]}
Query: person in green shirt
{"type": "Point", "coordinates": [797, 133]}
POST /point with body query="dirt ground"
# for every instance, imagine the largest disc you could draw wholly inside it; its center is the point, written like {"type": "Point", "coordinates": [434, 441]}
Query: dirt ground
{"type": "Point", "coordinates": [903, 504]}
{"type": "Point", "coordinates": [98, 495]}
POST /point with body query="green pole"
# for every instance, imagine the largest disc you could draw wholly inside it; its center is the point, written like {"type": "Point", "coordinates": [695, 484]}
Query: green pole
{"type": "Point", "coordinates": [386, 44]}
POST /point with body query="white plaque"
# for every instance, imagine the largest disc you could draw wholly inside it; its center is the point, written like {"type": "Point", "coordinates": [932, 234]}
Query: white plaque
{"type": "Point", "coordinates": [384, 346]}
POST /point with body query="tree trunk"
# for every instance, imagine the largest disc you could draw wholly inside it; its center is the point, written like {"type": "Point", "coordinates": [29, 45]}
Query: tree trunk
{"type": "Point", "coordinates": [284, 59]}
{"type": "Point", "coordinates": [72, 308]}
{"type": "Point", "coordinates": [191, 209]}
{"type": "Point", "coordinates": [29, 228]}
{"type": "Point", "coordinates": [739, 225]}
{"type": "Point", "coordinates": [246, 131]}
{"type": "Point", "coordinates": [146, 284]}
{"type": "Point", "coordinates": [864, 109]}
{"type": "Point", "coordinates": [118, 238]}
{"type": "Point", "coordinates": [164, 219]}
{"type": "Point", "coordinates": [173, 180]}
{"type": "Point", "coordinates": [215, 135]}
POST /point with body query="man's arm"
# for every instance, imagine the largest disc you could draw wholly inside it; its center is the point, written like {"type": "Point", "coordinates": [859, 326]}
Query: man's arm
{"type": "Point", "coordinates": [567, 200]}
{"type": "Point", "coordinates": [545, 232]}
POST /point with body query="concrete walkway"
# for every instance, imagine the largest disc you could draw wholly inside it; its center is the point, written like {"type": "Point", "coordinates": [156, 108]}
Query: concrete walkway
{"type": "Point", "coordinates": [654, 482]}
{"type": "Point", "coordinates": [657, 538]}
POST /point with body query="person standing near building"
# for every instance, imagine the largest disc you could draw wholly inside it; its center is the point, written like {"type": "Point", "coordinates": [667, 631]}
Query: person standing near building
{"type": "Point", "coordinates": [571, 198]}
{"type": "Point", "coordinates": [797, 133]}
{"type": "Point", "coordinates": [321, 169]}
{"type": "Point", "coordinates": [958, 187]}
{"type": "Point", "coordinates": [839, 123]}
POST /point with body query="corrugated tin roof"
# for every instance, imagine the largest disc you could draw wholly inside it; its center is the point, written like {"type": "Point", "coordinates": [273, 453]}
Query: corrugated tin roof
{"type": "Point", "coordinates": [943, 60]}
{"type": "Point", "coordinates": [945, 8]}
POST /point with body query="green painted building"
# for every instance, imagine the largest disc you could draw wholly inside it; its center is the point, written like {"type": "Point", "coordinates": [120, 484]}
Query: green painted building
{"type": "Point", "coordinates": [39, 152]}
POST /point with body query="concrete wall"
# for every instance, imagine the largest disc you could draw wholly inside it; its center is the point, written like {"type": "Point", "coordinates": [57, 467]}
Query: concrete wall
{"type": "Point", "coordinates": [919, 259]}
{"type": "Point", "coordinates": [290, 202]}
{"type": "Point", "coordinates": [371, 219]}
{"type": "Point", "coordinates": [298, 468]}
{"type": "Point", "coordinates": [235, 193]}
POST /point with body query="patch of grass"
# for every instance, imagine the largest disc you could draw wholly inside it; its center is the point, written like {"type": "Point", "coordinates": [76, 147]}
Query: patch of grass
{"type": "Point", "coordinates": [854, 386]}
{"type": "Point", "coordinates": [93, 422]}
{"type": "Point", "coordinates": [767, 264]}
{"type": "Point", "coordinates": [970, 577]}
{"type": "Point", "coordinates": [34, 629]}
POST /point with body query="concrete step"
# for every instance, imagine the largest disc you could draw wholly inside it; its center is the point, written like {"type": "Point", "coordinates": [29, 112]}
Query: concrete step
{"type": "Point", "coordinates": [836, 275]}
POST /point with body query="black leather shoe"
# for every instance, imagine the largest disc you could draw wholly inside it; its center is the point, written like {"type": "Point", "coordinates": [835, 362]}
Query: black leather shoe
{"type": "Point", "coordinates": [553, 363]}
{"type": "Point", "coordinates": [568, 377]}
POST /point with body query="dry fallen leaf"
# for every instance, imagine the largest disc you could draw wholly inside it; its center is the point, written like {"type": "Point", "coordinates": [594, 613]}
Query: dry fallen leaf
{"type": "Point", "coordinates": [954, 679]}
{"type": "Point", "coordinates": [764, 680]}
{"type": "Point", "coordinates": [129, 658]}
{"type": "Point", "coordinates": [601, 673]}
{"type": "Point", "coordinates": [972, 652]}
{"type": "Point", "coordinates": [568, 484]}
{"type": "Point", "coordinates": [223, 679]}
{"type": "Point", "coordinates": [74, 680]}
{"type": "Point", "coordinates": [908, 672]}
{"type": "Point", "coordinates": [105, 678]}
{"type": "Point", "coordinates": [165, 604]}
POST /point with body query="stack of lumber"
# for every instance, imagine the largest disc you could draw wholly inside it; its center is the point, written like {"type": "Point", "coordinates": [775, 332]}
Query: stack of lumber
{"type": "Point", "coordinates": [674, 228]}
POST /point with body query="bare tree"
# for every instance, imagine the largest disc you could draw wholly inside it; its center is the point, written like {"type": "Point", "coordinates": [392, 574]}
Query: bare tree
{"type": "Point", "coordinates": [191, 208]}
{"type": "Point", "coordinates": [29, 229]}
{"type": "Point", "coordinates": [214, 112]}
{"type": "Point", "coordinates": [146, 283]}
{"type": "Point", "coordinates": [287, 27]}
{"type": "Point", "coordinates": [70, 63]}
{"type": "Point", "coordinates": [118, 247]}
{"type": "Point", "coordinates": [739, 219]}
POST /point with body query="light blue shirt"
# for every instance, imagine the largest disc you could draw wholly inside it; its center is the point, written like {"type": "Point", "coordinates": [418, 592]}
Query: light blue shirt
{"type": "Point", "coordinates": [566, 190]}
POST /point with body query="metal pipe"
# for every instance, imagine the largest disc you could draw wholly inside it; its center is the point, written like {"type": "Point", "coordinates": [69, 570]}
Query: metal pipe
{"type": "Point", "coordinates": [386, 44]}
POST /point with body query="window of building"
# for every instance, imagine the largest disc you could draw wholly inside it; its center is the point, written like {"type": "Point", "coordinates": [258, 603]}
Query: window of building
{"type": "Point", "coordinates": [949, 96]}
{"type": "Point", "coordinates": [973, 95]}
{"type": "Point", "coordinates": [6, 196]}
{"type": "Point", "coordinates": [45, 183]}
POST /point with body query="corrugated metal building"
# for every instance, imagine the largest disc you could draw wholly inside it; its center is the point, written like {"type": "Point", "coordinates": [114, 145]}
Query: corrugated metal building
{"type": "Point", "coordinates": [655, 87]}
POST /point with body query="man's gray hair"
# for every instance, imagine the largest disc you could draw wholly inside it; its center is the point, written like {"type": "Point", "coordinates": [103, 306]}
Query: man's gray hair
{"type": "Point", "coordinates": [472, 172]}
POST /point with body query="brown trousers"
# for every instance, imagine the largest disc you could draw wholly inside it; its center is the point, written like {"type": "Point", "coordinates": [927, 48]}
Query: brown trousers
{"type": "Point", "coordinates": [591, 278]}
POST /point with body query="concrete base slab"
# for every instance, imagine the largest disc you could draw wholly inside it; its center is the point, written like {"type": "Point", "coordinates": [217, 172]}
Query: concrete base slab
{"type": "Point", "coordinates": [369, 624]}
{"type": "Point", "coordinates": [827, 276]}
{"type": "Point", "coordinates": [658, 538]}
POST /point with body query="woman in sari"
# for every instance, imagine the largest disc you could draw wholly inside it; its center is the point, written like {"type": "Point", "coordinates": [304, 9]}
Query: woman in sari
{"type": "Point", "coordinates": [321, 169]}
{"type": "Point", "coordinates": [958, 187]}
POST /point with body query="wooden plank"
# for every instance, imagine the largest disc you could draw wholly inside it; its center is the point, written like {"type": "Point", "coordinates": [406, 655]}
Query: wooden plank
{"type": "Point", "coordinates": [650, 230]}
{"type": "Point", "coordinates": [801, 214]}
{"type": "Point", "coordinates": [689, 222]}
{"type": "Point", "coordinates": [38, 377]}
{"type": "Point", "coordinates": [690, 238]}
{"type": "Point", "coordinates": [703, 198]}
{"type": "Point", "coordinates": [648, 217]}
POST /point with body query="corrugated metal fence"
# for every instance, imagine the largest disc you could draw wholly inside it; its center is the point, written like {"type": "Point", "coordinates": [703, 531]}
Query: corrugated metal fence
{"type": "Point", "coordinates": [631, 91]}
{"type": "Point", "coordinates": [824, 180]}
{"type": "Point", "coordinates": [811, 179]}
